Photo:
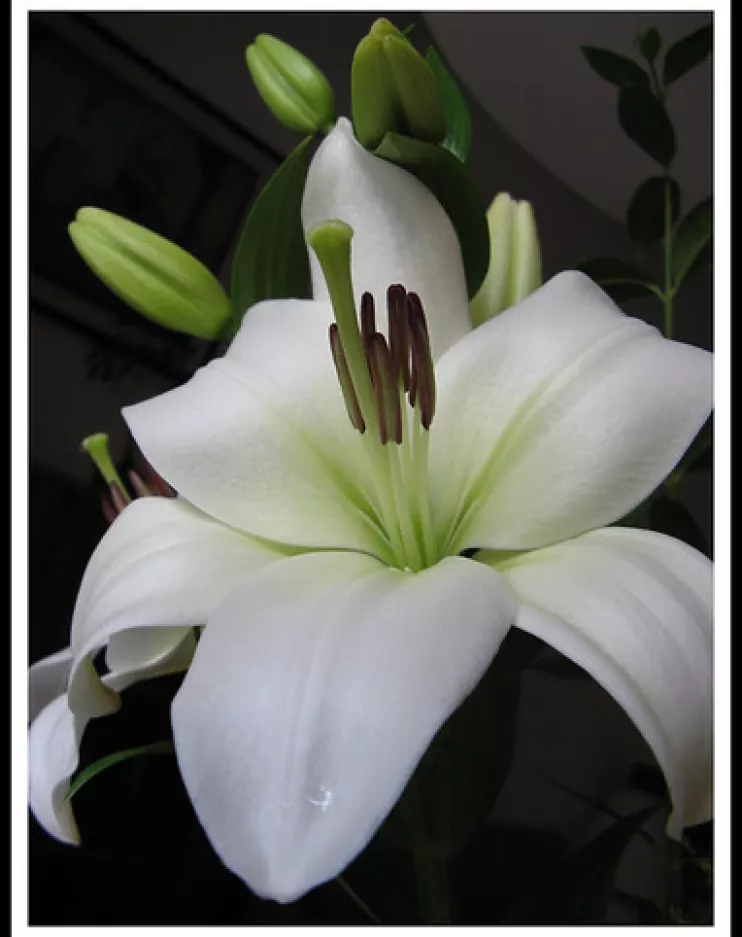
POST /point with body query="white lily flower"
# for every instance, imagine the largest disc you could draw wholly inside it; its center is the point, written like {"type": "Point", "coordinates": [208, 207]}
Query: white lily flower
{"type": "Point", "coordinates": [321, 677]}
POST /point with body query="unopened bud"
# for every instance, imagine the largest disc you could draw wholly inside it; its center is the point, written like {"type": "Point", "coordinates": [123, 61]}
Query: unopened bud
{"type": "Point", "coordinates": [152, 275]}
{"type": "Point", "coordinates": [394, 89]}
{"type": "Point", "coordinates": [515, 259]}
{"type": "Point", "coordinates": [293, 88]}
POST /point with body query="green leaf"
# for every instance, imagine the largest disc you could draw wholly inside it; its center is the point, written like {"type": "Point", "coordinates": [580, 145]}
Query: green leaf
{"type": "Point", "coordinates": [621, 280]}
{"type": "Point", "coordinates": [449, 181]}
{"type": "Point", "coordinates": [691, 238]}
{"type": "Point", "coordinates": [458, 121]}
{"type": "Point", "coordinates": [579, 888]}
{"type": "Point", "coordinates": [87, 774]}
{"type": "Point", "coordinates": [687, 53]}
{"type": "Point", "coordinates": [669, 516]}
{"type": "Point", "coordinates": [271, 260]}
{"type": "Point", "coordinates": [646, 215]}
{"type": "Point", "coordinates": [649, 44]}
{"type": "Point", "coordinates": [644, 120]}
{"type": "Point", "coordinates": [617, 69]}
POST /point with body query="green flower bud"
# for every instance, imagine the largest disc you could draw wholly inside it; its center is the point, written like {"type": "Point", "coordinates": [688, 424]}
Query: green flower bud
{"type": "Point", "coordinates": [154, 276]}
{"type": "Point", "coordinates": [515, 258]}
{"type": "Point", "coordinates": [293, 88]}
{"type": "Point", "coordinates": [394, 89]}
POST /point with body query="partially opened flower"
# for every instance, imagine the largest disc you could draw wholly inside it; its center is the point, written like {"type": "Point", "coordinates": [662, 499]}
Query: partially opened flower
{"type": "Point", "coordinates": [333, 492]}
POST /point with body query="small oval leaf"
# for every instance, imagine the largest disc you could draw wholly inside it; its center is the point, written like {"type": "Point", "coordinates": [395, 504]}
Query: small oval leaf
{"type": "Point", "coordinates": [645, 121]}
{"type": "Point", "coordinates": [617, 69]}
{"type": "Point", "coordinates": [271, 260]}
{"type": "Point", "coordinates": [649, 44]}
{"type": "Point", "coordinates": [691, 239]}
{"type": "Point", "coordinates": [458, 121]}
{"type": "Point", "coordinates": [621, 280]}
{"type": "Point", "coordinates": [646, 215]}
{"type": "Point", "coordinates": [687, 53]}
{"type": "Point", "coordinates": [449, 181]}
{"type": "Point", "coordinates": [87, 774]}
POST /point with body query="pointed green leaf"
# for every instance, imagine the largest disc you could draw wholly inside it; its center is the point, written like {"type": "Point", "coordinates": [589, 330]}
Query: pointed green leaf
{"type": "Point", "coordinates": [687, 53]}
{"type": "Point", "coordinates": [458, 121]}
{"type": "Point", "coordinates": [621, 280]}
{"type": "Point", "coordinates": [645, 121]}
{"type": "Point", "coordinates": [271, 260]}
{"type": "Point", "coordinates": [617, 69]}
{"type": "Point", "coordinates": [579, 888]}
{"type": "Point", "coordinates": [449, 181]}
{"type": "Point", "coordinates": [692, 237]}
{"type": "Point", "coordinates": [87, 774]}
{"type": "Point", "coordinates": [649, 44]}
{"type": "Point", "coordinates": [646, 215]}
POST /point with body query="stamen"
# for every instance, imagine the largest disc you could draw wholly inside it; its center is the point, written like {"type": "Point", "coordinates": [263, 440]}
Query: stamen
{"type": "Point", "coordinates": [399, 339]}
{"type": "Point", "coordinates": [119, 501]}
{"type": "Point", "coordinates": [422, 384]}
{"type": "Point", "coordinates": [368, 317]}
{"type": "Point", "coordinates": [345, 380]}
{"type": "Point", "coordinates": [138, 485]}
{"type": "Point", "coordinates": [385, 388]}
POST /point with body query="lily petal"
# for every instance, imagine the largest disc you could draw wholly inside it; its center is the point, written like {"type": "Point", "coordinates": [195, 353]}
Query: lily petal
{"type": "Point", "coordinates": [633, 608]}
{"type": "Point", "coordinates": [260, 438]}
{"type": "Point", "coordinates": [47, 679]}
{"type": "Point", "coordinates": [559, 416]}
{"type": "Point", "coordinates": [402, 233]}
{"type": "Point", "coordinates": [55, 735]}
{"type": "Point", "coordinates": [161, 564]}
{"type": "Point", "coordinates": [316, 689]}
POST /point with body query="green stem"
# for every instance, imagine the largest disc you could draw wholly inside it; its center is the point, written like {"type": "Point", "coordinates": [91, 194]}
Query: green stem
{"type": "Point", "coordinates": [668, 292]}
{"type": "Point", "coordinates": [357, 899]}
{"type": "Point", "coordinates": [433, 886]}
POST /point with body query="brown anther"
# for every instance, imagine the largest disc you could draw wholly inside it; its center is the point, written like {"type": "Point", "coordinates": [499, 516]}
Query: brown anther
{"type": "Point", "coordinates": [138, 485]}
{"type": "Point", "coordinates": [346, 382]}
{"type": "Point", "coordinates": [368, 317]}
{"type": "Point", "coordinates": [422, 382]}
{"type": "Point", "coordinates": [117, 496]}
{"type": "Point", "coordinates": [399, 339]}
{"type": "Point", "coordinates": [109, 511]}
{"type": "Point", "coordinates": [386, 389]}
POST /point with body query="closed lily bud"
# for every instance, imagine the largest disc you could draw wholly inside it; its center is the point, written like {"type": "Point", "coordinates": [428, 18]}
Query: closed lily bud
{"type": "Point", "coordinates": [151, 274]}
{"type": "Point", "coordinates": [393, 89]}
{"type": "Point", "coordinates": [293, 88]}
{"type": "Point", "coordinates": [515, 258]}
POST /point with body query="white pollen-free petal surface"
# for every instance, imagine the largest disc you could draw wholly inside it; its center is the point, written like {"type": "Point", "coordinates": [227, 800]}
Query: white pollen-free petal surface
{"type": "Point", "coordinates": [162, 565]}
{"type": "Point", "coordinates": [314, 692]}
{"type": "Point", "coordinates": [402, 234]}
{"type": "Point", "coordinates": [260, 439]}
{"type": "Point", "coordinates": [558, 416]}
{"type": "Point", "coordinates": [634, 609]}
{"type": "Point", "coordinates": [47, 679]}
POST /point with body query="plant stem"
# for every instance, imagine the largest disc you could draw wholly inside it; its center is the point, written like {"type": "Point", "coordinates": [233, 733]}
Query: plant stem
{"type": "Point", "coordinates": [433, 886]}
{"type": "Point", "coordinates": [357, 899]}
{"type": "Point", "coordinates": [668, 292]}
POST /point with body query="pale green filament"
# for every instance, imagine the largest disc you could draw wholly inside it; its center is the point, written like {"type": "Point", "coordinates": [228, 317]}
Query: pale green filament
{"type": "Point", "coordinates": [96, 447]}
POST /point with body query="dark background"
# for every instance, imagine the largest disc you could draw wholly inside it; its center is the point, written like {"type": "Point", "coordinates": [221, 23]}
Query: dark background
{"type": "Point", "coordinates": [112, 124]}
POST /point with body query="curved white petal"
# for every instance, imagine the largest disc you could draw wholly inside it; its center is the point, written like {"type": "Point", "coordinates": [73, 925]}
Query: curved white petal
{"type": "Point", "coordinates": [402, 234]}
{"type": "Point", "coordinates": [634, 609]}
{"type": "Point", "coordinates": [260, 439]}
{"type": "Point", "coordinates": [559, 416]}
{"type": "Point", "coordinates": [47, 679]}
{"type": "Point", "coordinates": [315, 690]}
{"type": "Point", "coordinates": [163, 565]}
{"type": "Point", "coordinates": [54, 739]}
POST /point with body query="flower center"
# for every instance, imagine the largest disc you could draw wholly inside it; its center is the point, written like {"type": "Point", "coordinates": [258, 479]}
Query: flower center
{"type": "Point", "coordinates": [389, 391]}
